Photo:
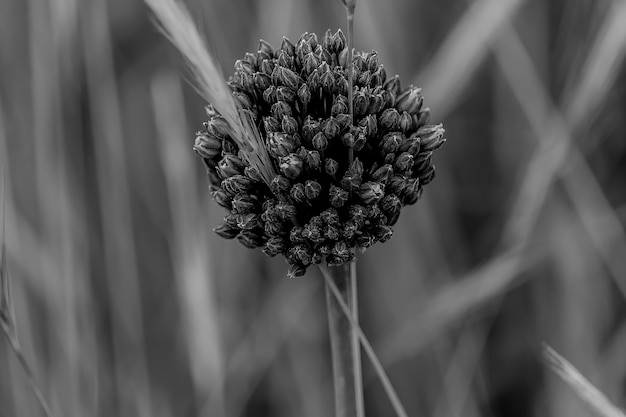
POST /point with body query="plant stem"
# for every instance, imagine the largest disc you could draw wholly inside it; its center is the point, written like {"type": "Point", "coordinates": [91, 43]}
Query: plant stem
{"type": "Point", "coordinates": [341, 343]}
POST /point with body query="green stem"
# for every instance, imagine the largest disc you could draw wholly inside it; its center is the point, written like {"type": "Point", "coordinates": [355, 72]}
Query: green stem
{"type": "Point", "coordinates": [341, 343]}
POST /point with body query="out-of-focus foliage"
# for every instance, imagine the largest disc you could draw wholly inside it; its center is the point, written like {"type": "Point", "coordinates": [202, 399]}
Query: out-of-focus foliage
{"type": "Point", "coordinates": [127, 304]}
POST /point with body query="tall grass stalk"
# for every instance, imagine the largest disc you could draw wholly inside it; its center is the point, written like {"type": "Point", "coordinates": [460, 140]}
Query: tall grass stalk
{"type": "Point", "coordinates": [581, 386]}
{"type": "Point", "coordinates": [7, 321]}
{"type": "Point", "coordinates": [340, 301]}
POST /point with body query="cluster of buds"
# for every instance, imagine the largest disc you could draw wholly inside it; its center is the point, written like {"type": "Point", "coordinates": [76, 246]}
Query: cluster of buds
{"type": "Point", "coordinates": [339, 181]}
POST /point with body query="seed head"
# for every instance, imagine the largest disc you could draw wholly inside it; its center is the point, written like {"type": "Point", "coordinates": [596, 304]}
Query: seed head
{"type": "Point", "coordinates": [300, 195]}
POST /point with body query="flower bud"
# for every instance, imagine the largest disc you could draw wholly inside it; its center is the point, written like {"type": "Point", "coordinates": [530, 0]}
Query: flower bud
{"type": "Point", "coordinates": [312, 189]}
{"type": "Point", "coordinates": [349, 230]}
{"type": "Point", "coordinates": [314, 82]}
{"type": "Point", "coordinates": [243, 203]}
{"type": "Point", "coordinates": [280, 185]}
{"type": "Point", "coordinates": [377, 103]}
{"type": "Point", "coordinates": [356, 212]}
{"type": "Point", "coordinates": [295, 235]}
{"type": "Point", "coordinates": [248, 221]}
{"type": "Point", "coordinates": [390, 119]}
{"type": "Point", "coordinates": [330, 127]}
{"type": "Point", "coordinates": [273, 227]}
{"type": "Point", "coordinates": [406, 122]}
{"type": "Point", "coordinates": [331, 166]}
{"type": "Point", "coordinates": [393, 85]}
{"type": "Point", "coordinates": [359, 141]}
{"type": "Point", "coordinates": [313, 230]}
{"type": "Point", "coordinates": [396, 185]}
{"type": "Point", "coordinates": [371, 192]}
{"type": "Point", "coordinates": [410, 100]}
{"type": "Point", "coordinates": [411, 192]}
{"type": "Point", "coordinates": [337, 196]}
{"type": "Point", "coordinates": [339, 41]}
{"type": "Point", "coordinates": [285, 76]}
{"type": "Point", "coordinates": [266, 48]}
{"type": "Point", "coordinates": [297, 193]}
{"type": "Point", "coordinates": [251, 239]}
{"type": "Point", "coordinates": [369, 124]}
{"type": "Point", "coordinates": [262, 81]}
{"type": "Point", "coordinates": [411, 145]}
{"type": "Point", "coordinates": [373, 213]}
{"type": "Point", "coordinates": [281, 109]}
{"type": "Point", "coordinates": [302, 254]}
{"type": "Point", "coordinates": [391, 142]}
{"type": "Point", "coordinates": [269, 95]}
{"type": "Point", "coordinates": [328, 81]}
{"type": "Point", "coordinates": [267, 66]}
{"type": "Point", "coordinates": [296, 270]}
{"type": "Point", "coordinates": [281, 144]}
{"type": "Point", "coordinates": [422, 161]}
{"type": "Point", "coordinates": [207, 146]}
{"type": "Point", "coordinates": [343, 57]}
{"type": "Point", "coordinates": [287, 46]}
{"type": "Point", "coordinates": [227, 231]}
{"type": "Point", "coordinates": [404, 162]}
{"type": "Point", "coordinates": [310, 127]}
{"type": "Point", "coordinates": [304, 94]}
{"type": "Point", "coordinates": [311, 62]}
{"type": "Point", "coordinates": [428, 175]}
{"type": "Point", "coordinates": [320, 142]}
{"type": "Point", "coordinates": [431, 137]}
{"type": "Point", "coordinates": [253, 174]}
{"type": "Point", "coordinates": [340, 105]}
{"type": "Point", "coordinates": [341, 85]}
{"type": "Point", "coordinates": [289, 125]}
{"type": "Point", "coordinates": [252, 59]}
{"type": "Point", "coordinates": [361, 102]}
{"type": "Point", "coordinates": [271, 124]}
{"type": "Point", "coordinates": [342, 251]}
{"type": "Point", "coordinates": [285, 211]}
{"type": "Point", "coordinates": [230, 165]}
{"type": "Point", "coordinates": [222, 198]}
{"type": "Point", "coordinates": [378, 77]}
{"type": "Point", "coordinates": [285, 94]}
{"type": "Point", "coordinates": [353, 176]}
{"type": "Point", "coordinates": [423, 116]}
{"type": "Point", "coordinates": [274, 246]}
{"type": "Point", "coordinates": [363, 79]}
{"type": "Point", "coordinates": [291, 165]}
{"type": "Point", "coordinates": [236, 184]}
{"type": "Point", "coordinates": [312, 159]}
{"type": "Point", "coordinates": [391, 206]}
{"type": "Point", "coordinates": [383, 174]}
{"type": "Point", "coordinates": [365, 240]}
{"type": "Point", "coordinates": [285, 60]}
{"type": "Point", "coordinates": [383, 233]}
{"type": "Point", "coordinates": [330, 216]}
{"type": "Point", "coordinates": [219, 127]}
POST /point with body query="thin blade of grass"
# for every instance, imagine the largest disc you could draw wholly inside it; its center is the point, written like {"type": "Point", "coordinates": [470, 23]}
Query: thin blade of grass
{"type": "Point", "coordinates": [192, 261]}
{"type": "Point", "coordinates": [178, 26]}
{"type": "Point", "coordinates": [451, 69]}
{"type": "Point", "coordinates": [596, 400]}
{"type": "Point", "coordinates": [380, 371]}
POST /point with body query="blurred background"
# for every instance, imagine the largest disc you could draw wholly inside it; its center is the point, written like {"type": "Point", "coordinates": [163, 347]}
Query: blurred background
{"type": "Point", "coordinates": [126, 303]}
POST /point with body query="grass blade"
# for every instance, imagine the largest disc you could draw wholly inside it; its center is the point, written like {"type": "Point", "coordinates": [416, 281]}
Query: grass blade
{"type": "Point", "coordinates": [581, 386]}
{"type": "Point", "coordinates": [378, 367]}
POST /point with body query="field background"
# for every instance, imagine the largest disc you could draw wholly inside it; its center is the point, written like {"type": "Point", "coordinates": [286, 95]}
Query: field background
{"type": "Point", "coordinates": [127, 304]}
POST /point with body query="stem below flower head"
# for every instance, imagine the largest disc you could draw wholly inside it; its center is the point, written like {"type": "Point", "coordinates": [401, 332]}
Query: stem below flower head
{"type": "Point", "coordinates": [341, 343]}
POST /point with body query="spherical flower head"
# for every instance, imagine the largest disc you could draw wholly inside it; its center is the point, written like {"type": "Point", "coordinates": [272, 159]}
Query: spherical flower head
{"type": "Point", "coordinates": [338, 181]}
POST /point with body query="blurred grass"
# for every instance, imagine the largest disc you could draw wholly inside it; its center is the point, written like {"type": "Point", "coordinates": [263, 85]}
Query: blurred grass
{"type": "Point", "coordinates": [128, 305]}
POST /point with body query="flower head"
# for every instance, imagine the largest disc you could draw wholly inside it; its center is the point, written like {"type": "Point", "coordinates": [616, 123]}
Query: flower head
{"type": "Point", "coordinates": [318, 203]}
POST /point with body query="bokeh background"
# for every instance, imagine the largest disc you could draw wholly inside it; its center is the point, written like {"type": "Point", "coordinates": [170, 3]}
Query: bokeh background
{"type": "Point", "coordinates": [127, 304]}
